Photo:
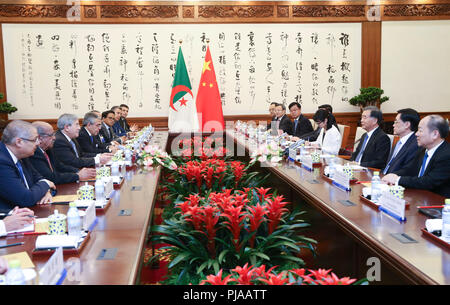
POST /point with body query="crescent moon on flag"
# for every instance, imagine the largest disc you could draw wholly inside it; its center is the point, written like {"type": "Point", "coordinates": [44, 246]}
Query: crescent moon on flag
{"type": "Point", "coordinates": [177, 89]}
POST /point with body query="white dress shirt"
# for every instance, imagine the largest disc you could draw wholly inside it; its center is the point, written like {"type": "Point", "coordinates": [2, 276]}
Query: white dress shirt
{"type": "Point", "coordinates": [331, 142]}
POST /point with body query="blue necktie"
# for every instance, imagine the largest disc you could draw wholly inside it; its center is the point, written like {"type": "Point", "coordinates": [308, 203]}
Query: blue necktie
{"type": "Point", "coordinates": [74, 148]}
{"type": "Point", "coordinates": [422, 170]}
{"type": "Point", "coordinates": [363, 146]}
{"type": "Point", "coordinates": [92, 139]}
{"type": "Point", "coordinates": [19, 166]}
{"type": "Point", "coordinates": [295, 124]}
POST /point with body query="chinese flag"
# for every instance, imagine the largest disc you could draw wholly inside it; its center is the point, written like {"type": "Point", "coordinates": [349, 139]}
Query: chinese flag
{"type": "Point", "coordinates": [209, 105]}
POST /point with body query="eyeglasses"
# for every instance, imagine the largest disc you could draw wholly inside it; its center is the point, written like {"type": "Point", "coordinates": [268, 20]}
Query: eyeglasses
{"type": "Point", "coordinates": [30, 140]}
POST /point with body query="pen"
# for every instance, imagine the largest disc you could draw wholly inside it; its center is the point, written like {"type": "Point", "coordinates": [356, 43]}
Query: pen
{"type": "Point", "coordinates": [431, 207]}
{"type": "Point", "coordinates": [12, 245]}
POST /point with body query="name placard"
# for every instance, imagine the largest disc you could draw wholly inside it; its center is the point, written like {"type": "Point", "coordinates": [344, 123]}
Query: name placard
{"type": "Point", "coordinates": [341, 180]}
{"type": "Point", "coordinates": [292, 154]}
{"type": "Point", "coordinates": [109, 186]}
{"type": "Point", "coordinates": [307, 162]}
{"type": "Point", "coordinates": [89, 217]}
{"type": "Point", "coordinates": [53, 272]}
{"type": "Point", "coordinates": [392, 205]}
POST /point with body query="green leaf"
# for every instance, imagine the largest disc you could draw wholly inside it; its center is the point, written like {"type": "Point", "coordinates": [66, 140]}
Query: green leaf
{"type": "Point", "coordinates": [178, 259]}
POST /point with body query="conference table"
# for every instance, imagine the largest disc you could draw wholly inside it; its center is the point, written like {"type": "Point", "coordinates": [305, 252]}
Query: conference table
{"type": "Point", "coordinates": [125, 236]}
{"type": "Point", "coordinates": [416, 260]}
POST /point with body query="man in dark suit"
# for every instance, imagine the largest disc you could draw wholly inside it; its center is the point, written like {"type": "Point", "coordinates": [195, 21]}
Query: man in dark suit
{"type": "Point", "coordinates": [45, 162]}
{"type": "Point", "coordinates": [405, 125]}
{"type": "Point", "coordinates": [118, 130]}
{"type": "Point", "coordinates": [281, 122]}
{"type": "Point", "coordinates": [430, 168]}
{"type": "Point", "coordinates": [374, 148]}
{"type": "Point", "coordinates": [123, 120]}
{"type": "Point", "coordinates": [301, 124]}
{"type": "Point", "coordinates": [20, 184]}
{"type": "Point", "coordinates": [88, 137]}
{"type": "Point", "coordinates": [67, 149]}
{"type": "Point", "coordinates": [106, 131]}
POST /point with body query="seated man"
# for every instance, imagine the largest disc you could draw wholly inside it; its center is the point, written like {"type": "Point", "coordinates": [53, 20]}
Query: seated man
{"type": "Point", "coordinates": [281, 122]}
{"type": "Point", "coordinates": [106, 130]}
{"type": "Point", "coordinates": [123, 120]}
{"type": "Point", "coordinates": [118, 130]}
{"type": "Point", "coordinates": [45, 162]}
{"type": "Point", "coordinates": [405, 125]}
{"type": "Point", "coordinates": [430, 168]}
{"type": "Point", "coordinates": [374, 147]}
{"type": "Point", "coordinates": [67, 149]}
{"type": "Point", "coordinates": [20, 184]}
{"type": "Point", "coordinates": [272, 110]}
{"type": "Point", "coordinates": [301, 125]}
{"type": "Point", "coordinates": [88, 140]}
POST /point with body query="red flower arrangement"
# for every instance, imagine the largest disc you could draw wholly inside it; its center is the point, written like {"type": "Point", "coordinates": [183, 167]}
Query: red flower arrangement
{"type": "Point", "coordinates": [258, 276]}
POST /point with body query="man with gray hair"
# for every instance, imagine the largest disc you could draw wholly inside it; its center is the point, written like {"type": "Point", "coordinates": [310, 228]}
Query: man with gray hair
{"type": "Point", "coordinates": [20, 184]}
{"type": "Point", "coordinates": [88, 138]}
{"type": "Point", "coordinates": [67, 149]}
{"type": "Point", "coordinates": [430, 168]}
{"type": "Point", "coordinates": [45, 162]}
{"type": "Point", "coordinates": [374, 148]}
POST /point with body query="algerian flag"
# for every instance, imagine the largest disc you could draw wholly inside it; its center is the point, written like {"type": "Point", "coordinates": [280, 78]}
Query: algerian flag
{"type": "Point", "coordinates": [182, 109]}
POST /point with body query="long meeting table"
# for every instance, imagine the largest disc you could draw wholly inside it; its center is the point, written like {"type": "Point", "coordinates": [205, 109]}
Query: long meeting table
{"type": "Point", "coordinates": [421, 261]}
{"type": "Point", "coordinates": [126, 235]}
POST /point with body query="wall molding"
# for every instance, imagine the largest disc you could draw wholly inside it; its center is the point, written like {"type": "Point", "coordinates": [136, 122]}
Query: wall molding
{"type": "Point", "coordinates": [48, 11]}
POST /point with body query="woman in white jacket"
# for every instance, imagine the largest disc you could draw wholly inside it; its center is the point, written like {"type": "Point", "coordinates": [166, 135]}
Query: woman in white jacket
{"type": "Point", "coordinates": [329, 138]}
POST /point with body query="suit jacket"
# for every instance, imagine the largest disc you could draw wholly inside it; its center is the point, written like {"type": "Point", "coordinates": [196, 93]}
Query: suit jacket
{"type": "Point", "coordinates": [118, 130]}
{"type": "Point", "coordinates": [107, 136]}
{"type": "Point", "coordinates": [404, 156]}
{"type": "Point", "coordinates": [12, 188]}
{"type": "Point", "coordinates": [285, 124]}
{"type": "Point", "coordinates": [87, 145]}
{"type": "Point", "coordinates": [436, 177]}
{"type": "Point", "coordinates": [64, 152]}
{"type": "Point", "coordinates": [124, 124]}
{"type": "Point", "coordinates": [60, 174]}
{"type": "Point", "coordinates": [377, 150]}
{"type": "Point", "coordinates": [303, 127]}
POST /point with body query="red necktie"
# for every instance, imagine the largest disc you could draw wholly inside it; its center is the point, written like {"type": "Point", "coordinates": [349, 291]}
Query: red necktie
{"type": "Point", "coordinates": [48, 160]}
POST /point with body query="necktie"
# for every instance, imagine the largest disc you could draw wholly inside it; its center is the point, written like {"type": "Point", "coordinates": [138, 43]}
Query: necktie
{"type": "Point", "coordinates": [74, 148]}
{"type": "Point", "coordinates": [363, 146]}
{"type": "Point", "coordinates": [422, 170]}
{"type": "Point", "coordinates": [19, 167]}
{"type": "Point", "coordinates": [396, 149]}
{"type": "Point", "coordinates": [48, 160]}
{"type": "Point", "coordinates": [295, 124]}
{"type": "Point", "coordinates": [92, 139]}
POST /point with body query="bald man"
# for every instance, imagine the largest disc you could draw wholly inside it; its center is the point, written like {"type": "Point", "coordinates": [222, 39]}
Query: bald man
{"type": "Point", "coordinates": [45, 162]}
{"type": "Point", "coordinates": [20, 184]}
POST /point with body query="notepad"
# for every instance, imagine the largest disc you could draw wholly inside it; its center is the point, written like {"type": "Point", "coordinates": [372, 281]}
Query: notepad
{"type": "Point", "coordinates": [65, 198]}
{"type": "Point", "coordinates": [25, 261]}
{"type": "Point", "coordinates": [39, 226]}
{"type": "Point", "coordinates": [55, 241]}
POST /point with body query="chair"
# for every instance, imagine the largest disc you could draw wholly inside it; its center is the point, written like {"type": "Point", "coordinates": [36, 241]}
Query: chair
{"type": "Point", "coordinates": [359, 132]}
{"type": "Point", "coordinates": [394, 139]}
{"type": "Point", "coordinates": [313, 123]}
{"type": "Point", "coordinates": [345, 132]}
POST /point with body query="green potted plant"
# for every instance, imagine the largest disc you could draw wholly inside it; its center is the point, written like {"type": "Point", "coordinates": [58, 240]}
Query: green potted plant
{"type": "Point", "coordinates": [6, 107]}
{"type": "Point", "coordinates": [369, 96]}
